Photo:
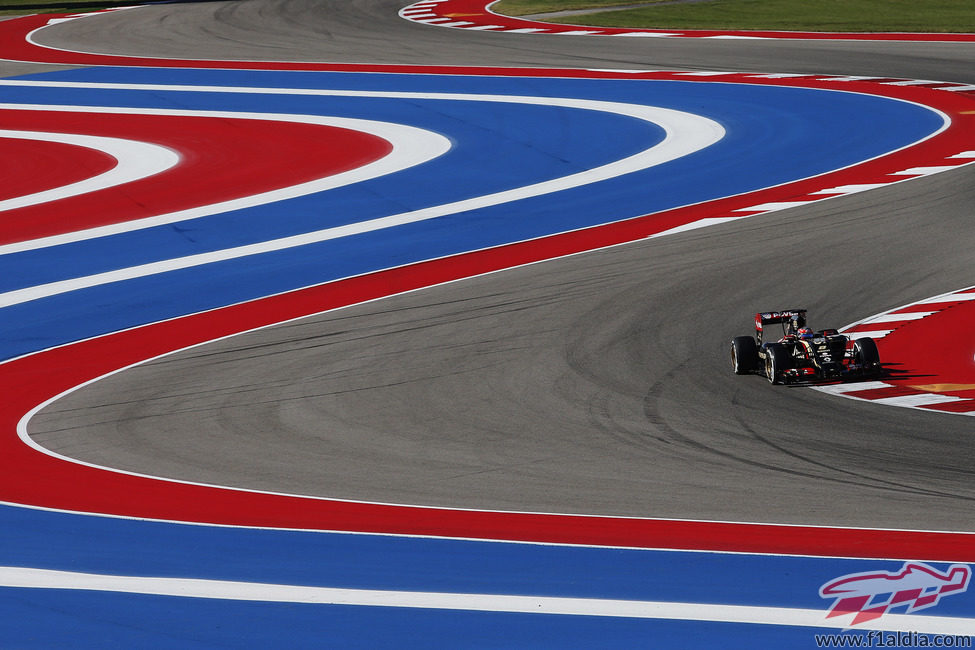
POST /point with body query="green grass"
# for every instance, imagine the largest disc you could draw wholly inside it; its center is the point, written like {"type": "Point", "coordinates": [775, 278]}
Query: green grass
{"type": "Point", "coordinates": [802, 15]}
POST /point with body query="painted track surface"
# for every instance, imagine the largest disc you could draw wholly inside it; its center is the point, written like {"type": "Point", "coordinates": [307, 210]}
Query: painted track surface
{"type": "Point", "coordinates": [784, 465]}
{"type": "Point", "coordinates": [552, 367]}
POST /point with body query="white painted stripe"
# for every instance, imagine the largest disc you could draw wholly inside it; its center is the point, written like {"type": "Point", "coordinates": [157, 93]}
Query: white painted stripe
{"type": "Point", "coordinates": [703, 74]}
{"type": "Point", "coordinates": [411, 146]}
{"type": "Point", "coordinates": [951, 297]}
{"type": "Point", "coordinates": [430, 21]}
{"type": "Point", "coordinates": [733, 37]}
{"type": "Point", "coordinates": [456, 23]}
{"type": "Point", "coordinates": [851, 189]}
{"type": "Point", "coordinates": [924, 171]}
{"type": "Point", "coordinates": [417, 13]}
{"type": "Point", "coordinates": [134, 161]}
{"type": "Point", "coordinates": [647, 34]}
{"type": "Point", "coordinates": [694, 225]}
{"type": "Point", "coordinates": [776, 205]}
{"type": "Point", "coordinates": [956, 89]}
{"type": "Point", "coordinates": [778, 75]}
{"type": "Point", "coordinates": [578, 32]}
{"type": "Point", "coordinates": [964, 154]}
{"type": "Point", "coordinates": [911, 82]}
{"type": "Point", "coordinates": [876, 334]}
{"type": "Point", "coordinates": [840, 389]}
{"type": "Point", "coordinates": [526, 30]}
{"type": "Point", "coordinates": [847, 78]}
{"type": "Point", "coordinates": [622, 70]}
{"type": "Point", "coordinates": [922, 399]}
{"type": "Point", "coordinates": [893, 318]}
{"type": "Point", "coordinates": [69, 18]}
{"type": "Point", "coordinates": [480, 27]}
{"type": "Point", "coordinates": [30, 578]}
{"type": "Point", "coordinates": [685, 133]}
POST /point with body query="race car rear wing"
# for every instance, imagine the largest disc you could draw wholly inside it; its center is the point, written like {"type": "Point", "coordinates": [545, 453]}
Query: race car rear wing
{"type": "Point", "coordinates": [795, 316]}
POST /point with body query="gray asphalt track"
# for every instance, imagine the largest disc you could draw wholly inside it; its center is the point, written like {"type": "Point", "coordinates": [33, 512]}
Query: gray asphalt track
{"type": "Point", "coordinates": [598, 383]}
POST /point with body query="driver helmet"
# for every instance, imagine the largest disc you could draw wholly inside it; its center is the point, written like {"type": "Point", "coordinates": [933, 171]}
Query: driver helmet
{"type": "Point", "coordinates": [805, 333]}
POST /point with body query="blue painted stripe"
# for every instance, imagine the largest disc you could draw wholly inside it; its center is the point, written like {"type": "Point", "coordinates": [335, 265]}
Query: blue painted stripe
{"type": "Point", "coordinates": [35, 619]}
{"type": "Point", "coordinates": [52, 540]}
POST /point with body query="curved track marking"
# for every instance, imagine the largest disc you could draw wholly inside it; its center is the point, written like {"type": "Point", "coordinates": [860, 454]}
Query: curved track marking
{"type": "Point", "coordinates": [476, 15]}
{"type": "Point", "coordinates": [134, 161]}
{"type": "Point", "coordinates": [407, 147]}
{"type": "Point", "coordinates": [684, 134]}
{"type": "Point", "coordinates": [39, 166]}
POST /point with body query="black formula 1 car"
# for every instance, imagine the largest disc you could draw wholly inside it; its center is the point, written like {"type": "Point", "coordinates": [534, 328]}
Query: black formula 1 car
{"type": "Point", "coordinates": [802, 354]}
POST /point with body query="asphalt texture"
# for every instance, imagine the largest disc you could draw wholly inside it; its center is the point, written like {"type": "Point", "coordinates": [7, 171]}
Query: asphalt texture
{"type": "Point", "coordinates": [598, 383]}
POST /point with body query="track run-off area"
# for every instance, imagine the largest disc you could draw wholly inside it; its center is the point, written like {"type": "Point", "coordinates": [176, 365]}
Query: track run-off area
{"type": "Point", "coordinates": [155, 206]}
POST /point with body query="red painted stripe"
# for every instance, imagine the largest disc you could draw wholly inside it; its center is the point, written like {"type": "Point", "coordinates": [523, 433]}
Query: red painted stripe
{"type": "Point", "coordinates": [221, 159]}
{"type": "Point", "coordinates": [883, 393]}
{"type": "Point", "coordinates": [475, 12]}
{"type": "Point", "coordinates": [914, 309]}
{"type": "Point", "coordinates": [31, 166]}
{"type": "Point", "coordinates": [872, 327]}
{"type": "Point", "coordinates": [953, 407]}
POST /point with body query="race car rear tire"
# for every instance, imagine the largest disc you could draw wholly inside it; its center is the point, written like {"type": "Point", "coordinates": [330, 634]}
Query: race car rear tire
{"type": "Point", "coordinates": [744, 355]}
{"type": "Point", "coordinates": [867, 355]}
{"type": "Point", "coordinates": [777, 361]}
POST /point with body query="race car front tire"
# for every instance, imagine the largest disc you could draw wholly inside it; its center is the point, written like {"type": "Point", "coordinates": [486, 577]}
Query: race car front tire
{"type": "Point", "coordinates": [867, 355]}
{"type": "Point", "coordinates": [777, 361]}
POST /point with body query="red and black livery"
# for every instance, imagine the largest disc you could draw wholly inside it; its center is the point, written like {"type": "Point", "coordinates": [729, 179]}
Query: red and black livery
{"type": "Point", "coordinates": [801, 354]}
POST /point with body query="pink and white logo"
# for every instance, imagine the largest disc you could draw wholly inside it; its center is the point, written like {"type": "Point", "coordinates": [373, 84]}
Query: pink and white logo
{"type": "Point", "coordinates": [871, 594]}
